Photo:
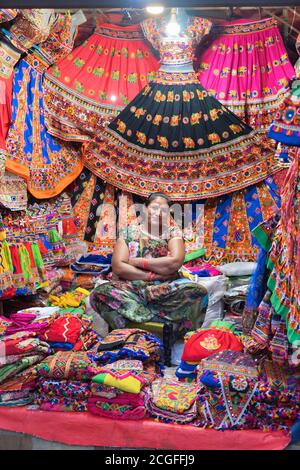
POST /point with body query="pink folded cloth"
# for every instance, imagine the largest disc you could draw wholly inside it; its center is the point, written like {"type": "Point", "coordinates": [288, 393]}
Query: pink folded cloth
{"type": "Point", "coordinates": [23, 322]}
{"type": "Point", "coordinates": [124, 406]}
{"type": "Point", "coordinates": [207, 267]}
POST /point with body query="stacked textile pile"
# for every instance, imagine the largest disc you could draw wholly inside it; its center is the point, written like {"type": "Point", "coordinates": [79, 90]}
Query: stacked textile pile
{"type": "Point", "coordinates": [31, 335]}
{"type": "Point", "coordinates": [20, 350]}
{"type": "Point", "coordinates": [63, 381]}
{"type": "Point", "coordinates": [276, 401]}
{"type": "Point", "coordinates": [130, 360]}
{"type": "Point", "coordinates": [71, 280]}
{"type": "Point", "coordinates": [171, 401]}
{"type": "Point", "coordinates": [92, 264]}
{"type": "Point", "coordinates": [71, 330]}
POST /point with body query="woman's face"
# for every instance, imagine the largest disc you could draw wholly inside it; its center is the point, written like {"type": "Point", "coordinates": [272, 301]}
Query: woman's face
{"type": "Point", "coordinates": [158, 211]}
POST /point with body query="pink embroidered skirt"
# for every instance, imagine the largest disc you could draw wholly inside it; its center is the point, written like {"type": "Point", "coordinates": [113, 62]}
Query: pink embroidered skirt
{"type": "Point", "coordinates": [247, 68]}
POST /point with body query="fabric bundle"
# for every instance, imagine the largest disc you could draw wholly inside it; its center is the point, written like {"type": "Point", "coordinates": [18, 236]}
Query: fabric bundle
{"type": "Point", "coordinates": [22, 343]}
{"type": "Point", "coordinates": [92, 264]}
{"type": "Point", "coordinates": [121, 394]}
{"type": "Point", "coordinates": [172, 401]}
{"type": "Point", "coordinates": [123, 406]}
{"type": "Point", "coordinates": [65, 365]}
{"type": "Point", "coordinates": [62, 395]}
{"type": "Point", "coordinates": [9, 371]}
{"type": "Point", "coordinates": [276, 401]}
{"type": "Point", "coordinates": [63, 382]}
{"type": "Point", "coordinates": [131, 344]}
{"type": "Point", "coordinates": [129, 360]}
{"type": "Point", "coordinates": [18, 390]}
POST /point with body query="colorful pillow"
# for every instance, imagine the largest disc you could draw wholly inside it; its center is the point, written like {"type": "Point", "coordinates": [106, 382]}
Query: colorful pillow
{"type": "Point", "coordinates": [208, 341]}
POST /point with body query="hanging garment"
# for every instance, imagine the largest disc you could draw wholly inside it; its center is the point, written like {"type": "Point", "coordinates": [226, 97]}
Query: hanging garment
{"type": "Point", "coordinates": [246, 67]}
{"type": "Point", "coordinates": [263, 233]}
{"type": "Point", "coordinates": [176, 138]}
{"type": "Point", "coordinates": [47, 164]}
{"type": "Point", "coordinates": [9, 56]}
{"type": "Point", "coordinates": [100, 209]}
{"type": "Point", "coordinates": [285, 250]}
{"type": "Point", "coordinates": [89, 88]}
{"type": "Point", "coordinates": [230, 219]}
{"type": "Point", "coordinates": [32, 26]}
{"type": "Point", "coordinates": [7, 15]}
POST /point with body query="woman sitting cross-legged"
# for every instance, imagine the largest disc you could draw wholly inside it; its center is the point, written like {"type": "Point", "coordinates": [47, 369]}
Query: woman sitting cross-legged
{"type": "Point", "coordinates": [145, 284]}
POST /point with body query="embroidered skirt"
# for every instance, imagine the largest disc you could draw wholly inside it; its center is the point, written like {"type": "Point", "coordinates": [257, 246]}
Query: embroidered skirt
{"type": "Point", "coordinates": [47, 164]}
{"type": "Point", "coordinates": [247, 68]}
{"type": "Point", "coordinates": [176, 138]}
{"type": "Point", "coordinates": [89, 88]}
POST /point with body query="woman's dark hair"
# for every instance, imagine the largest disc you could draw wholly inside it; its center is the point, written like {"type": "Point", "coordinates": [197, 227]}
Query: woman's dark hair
{"type": "Point", "coordinates": [153, 196]}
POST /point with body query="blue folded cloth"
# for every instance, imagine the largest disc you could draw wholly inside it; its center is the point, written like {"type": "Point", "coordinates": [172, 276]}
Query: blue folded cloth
{"type": "Point", "coordinates": [58, 345]}
{"type": "Point", "coordinates": [185, 370]}
{"type": "Point", "coordinates": [209, 380]}
{"type": "Point", "coordinates": [98, 260]}
{"type": "Point", "coordinates": [80, 269]}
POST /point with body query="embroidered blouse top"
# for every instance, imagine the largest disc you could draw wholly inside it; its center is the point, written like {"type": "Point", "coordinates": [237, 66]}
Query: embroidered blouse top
{"type": "Point", "coordinates": [57, 46]}
{"type": "Point", "coordinates": [141, 244]}
{"type": "Point", "coordinates": [175, 50]}
{"type": "Point", "coordinates": [7, 14]}
{"type": "Point", "coordinates": [32, 26]}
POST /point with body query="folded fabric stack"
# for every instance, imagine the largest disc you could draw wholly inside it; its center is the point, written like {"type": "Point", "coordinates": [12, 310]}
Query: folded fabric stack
{"type": "Point", "coordinates": [62, 395]}
{"type": "Point", "coordinates": [203, 343]}
{"type": "Point", "coordinates": [129, 360]}
{"type": "Point", "coordinates": [92, 264]}
{"type": "Point", "coordinates": [64, 381]}
{"type": "Point", "coordinates": [227, 382]}
{"type": "Point", "coordinates": [71, 280]}
{"type": "Point", "coordinates": [171, 401]}
{"type": "Point", "coordinates": [72, 330]}
{"type": "Point", "coordinates": [33, 320]}
{"type": "Point", "coordinates": [193, 270]}
{"type": "Point", "coordinates": [276, 401]}
{"type": "Point", "coordinates": [118, 389]}
{"type": "Point", "coordinates": [130, 343]}
{"type": "Point", "coordinates": [18, 390]}
{"type": "Point", "coordinates": [74, 298]}
{"type": "Point", "coordinates": [18, 352]}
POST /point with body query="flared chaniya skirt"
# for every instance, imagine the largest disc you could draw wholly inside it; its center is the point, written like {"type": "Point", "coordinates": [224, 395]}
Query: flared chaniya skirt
{"type": "Point", "coordinates": [99, 78]}
{"type": "Point", "coordinates": [247, 68]}
{"type": "Point", "coordinates": [176, 138]}
{"type": "Point", "coordinates": [47, 164]}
